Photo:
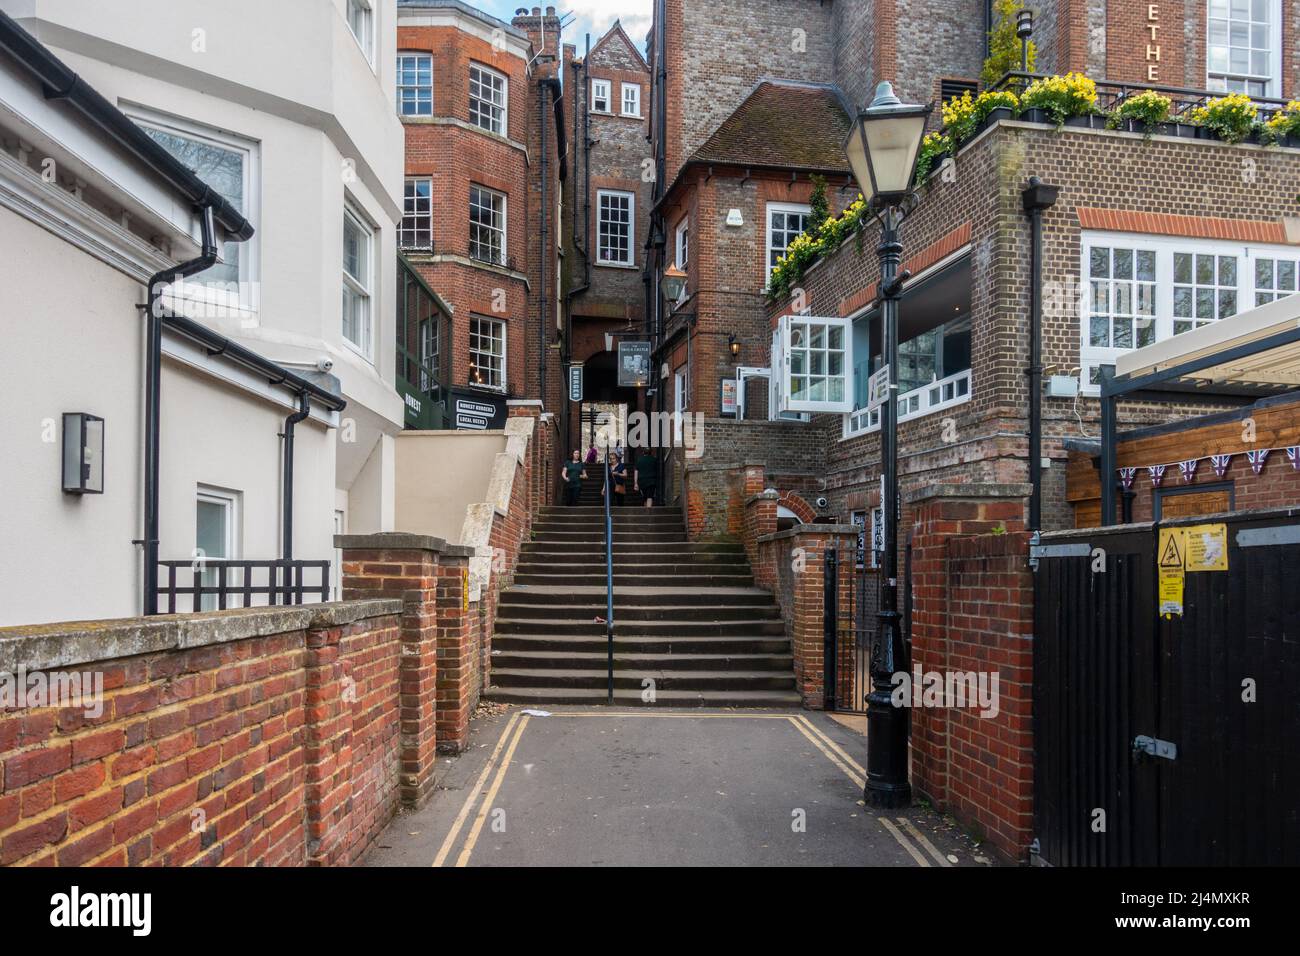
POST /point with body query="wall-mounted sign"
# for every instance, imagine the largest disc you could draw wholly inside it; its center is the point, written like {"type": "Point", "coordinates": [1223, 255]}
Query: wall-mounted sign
{"type": "Point", "coordinates": [734, 218]}
{"type": "Point", "coordinates": [729, 398]}
{"type": "Point", "coordinates": [633, 364]}
{"type": "Point", "coordinates": [878, 388]}
{"type": "Point", "coordinates": [575, 383]}
{"type": "Point", "coordinates": [475, 411]}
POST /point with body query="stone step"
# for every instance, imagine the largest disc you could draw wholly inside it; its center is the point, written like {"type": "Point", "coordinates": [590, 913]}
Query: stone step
{"type": "Point", "coordinates": [639, 556]}
{"type": "Point", "coordinates": [550, 595]}
{"type": "Point", "coordinates": [588, 660]}
{"type": "Point", "coordinates": [504, 677]}
{"type": "Point", "coordinates": [562, 645]}
{"type": "Point", "coordinates": [544, 696]}
{"type": "Point", "coordinates": [625, 614]}
{"type": "Point", "coordinates": [732, 626]}
{"type": "Point", "coordinates": [620, 536]}
{"type": "Point", "coordinates": [582, 510]}
{"type": "Point", "coordinates": [632, 548]}
{"type": "Point", "coordinates": [693, 579]}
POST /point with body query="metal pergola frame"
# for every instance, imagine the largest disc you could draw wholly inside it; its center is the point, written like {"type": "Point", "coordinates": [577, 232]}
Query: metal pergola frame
{"type": "Point", "coordinates": [1179, 382]}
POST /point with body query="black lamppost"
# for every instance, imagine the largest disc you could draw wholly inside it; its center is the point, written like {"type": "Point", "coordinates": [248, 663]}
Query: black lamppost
{"type": "Point", "coordinates": [882, 148]}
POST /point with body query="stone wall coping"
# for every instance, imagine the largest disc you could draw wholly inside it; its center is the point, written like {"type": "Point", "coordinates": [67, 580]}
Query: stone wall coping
{"type": "Point", "coordinates": [845, 529]}
{"type": "Point", "coordinates": [71, 643]}
{"type": "Point", "coordinates": [967, 491]}
{"type": "Point", "coordinates": [400, 541]}
{"type": "Point", "coordinates": [724, 465]}
{"type": "Point", "coordinates": [763, 496]}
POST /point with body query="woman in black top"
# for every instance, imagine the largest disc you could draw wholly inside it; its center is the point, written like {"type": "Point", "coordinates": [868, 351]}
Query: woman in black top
{"type": "Point", "coordinates": [574, 472]}
{"type": "Point", "coordinates": [620, 480]}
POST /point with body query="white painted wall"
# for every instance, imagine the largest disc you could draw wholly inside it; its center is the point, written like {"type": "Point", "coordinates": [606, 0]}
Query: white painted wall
{"type": "Point", "coordinates": [288, 77]}
{"type": "Point", "coordinates": [439, 475]}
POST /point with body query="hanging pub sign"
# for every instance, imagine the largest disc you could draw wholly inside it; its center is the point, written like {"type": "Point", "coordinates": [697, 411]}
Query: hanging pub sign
{"type": "Point", "coordinates": [477, 411]}
{"type": "Point", "coordinates": [633, 364]}
{"type": "Point", "coordinates": [575, 382]}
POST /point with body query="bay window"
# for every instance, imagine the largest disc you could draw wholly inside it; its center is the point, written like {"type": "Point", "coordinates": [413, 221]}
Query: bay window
{"type": "Point", "coordinates": [1142, 289]}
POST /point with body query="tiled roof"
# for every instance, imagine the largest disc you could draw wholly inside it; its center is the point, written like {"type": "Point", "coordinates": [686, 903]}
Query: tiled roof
{"type": "Point", "coordinates": [782, 124]}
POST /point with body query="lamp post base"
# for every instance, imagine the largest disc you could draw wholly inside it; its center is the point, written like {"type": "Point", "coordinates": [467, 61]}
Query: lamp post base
{"type": "Point", "coordinates": [882, 795]}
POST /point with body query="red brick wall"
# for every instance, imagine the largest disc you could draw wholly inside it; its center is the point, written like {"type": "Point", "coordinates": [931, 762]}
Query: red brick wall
{"type": "Point", "coordinates": [263, 737]}
{"type": "Point", "coordinates": [972, 594]}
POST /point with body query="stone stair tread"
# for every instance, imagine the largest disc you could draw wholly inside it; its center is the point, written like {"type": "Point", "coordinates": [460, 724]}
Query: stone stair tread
{"type": "Point", "coordinates": [719, 698]}
{"type": "Point", "coordinates": [624, 590]}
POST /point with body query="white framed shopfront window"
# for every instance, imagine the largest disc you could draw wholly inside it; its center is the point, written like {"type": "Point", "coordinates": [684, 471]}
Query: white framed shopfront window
{"type": "Point", "coordinates": [1138, 289]}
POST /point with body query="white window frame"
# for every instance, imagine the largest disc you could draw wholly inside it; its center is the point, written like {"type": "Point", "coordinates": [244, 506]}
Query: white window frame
{"type": "Point", "coordinates": [501, 126]}
{"type": "Point", "coordinates": [600, 89]}
{"type": "Point", "coordinates": [682, 244]}
{"type": "Point", "coordinates": [601, 260]}
{"type": "Point", "coordinates": [505, 349]}
{"type": "Point", "coordinates": [362, 287]}
{"type": "Point", "coordinates": [680, 401]}
{"type": "Point", "coordinates": [798, 335]}
{"type": "Point", "coordinates": [229, 501]}
{"type": "Point", "coordinates": [502, 257]}
{"type": "Point", "coordinates": [769, 246]}
{"type": "Point", "coordinates": [243, 301]}
{"type": "Point", "coordinates": [1216, 80]}
{"type": "Point", "coordinates": [409, 203]}
{"type": "Point", "coordinates": [948, 392]}
{"type": "Point", "coordinates": [429, 345]}
{"type": "Point", "coordinates": [635, 90]}
{"type": "Point", "coordinates": [366, 37]}
{"type": "Point", "coordinates": [418, 88]}
{"type": "Point", "coordinates": [1247, 253]}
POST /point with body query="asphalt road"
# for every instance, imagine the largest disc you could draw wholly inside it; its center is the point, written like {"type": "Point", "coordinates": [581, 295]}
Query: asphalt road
{"type": "Point", "coordinates": [658, 787]}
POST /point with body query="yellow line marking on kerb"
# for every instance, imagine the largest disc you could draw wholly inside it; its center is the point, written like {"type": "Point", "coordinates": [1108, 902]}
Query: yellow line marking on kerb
{"type": "Point", "coordinates": [906, 844]}
{"type": "Point", "coordinates": [473, 794]}
{"type": "Point", "coordinates": [922, 839]}
{"type": "Point", "coordinates": [833, 745]}
{"type": "Point", "coordinates": [858, 781]}
{"type": "Point", "coordinates": [490, 796]}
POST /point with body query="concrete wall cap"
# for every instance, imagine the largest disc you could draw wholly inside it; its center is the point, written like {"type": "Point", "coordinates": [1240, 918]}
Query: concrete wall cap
{"type": "Point", "coordinates": [967, 491]}
{"type": "Point", "coordinates": [74, 643]}
{"type": "Point", "coordinates": [390, 541]}
{"type": "Point", "coordinates": [799, 529]}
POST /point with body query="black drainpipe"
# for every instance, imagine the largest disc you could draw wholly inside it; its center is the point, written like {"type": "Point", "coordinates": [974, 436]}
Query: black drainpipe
{"type": "Point", "coordinates": [1037, 196]}
{"type": "Point", "coordinates": [541, 292]}
{"type": "Point", "coordinates": [152, 398]}
{"type": "Point", "coordinates": [304, 409]}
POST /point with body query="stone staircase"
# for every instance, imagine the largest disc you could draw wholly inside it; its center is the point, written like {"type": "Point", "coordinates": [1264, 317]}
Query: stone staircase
{"type": "Point", "coordinates": [686, 615]}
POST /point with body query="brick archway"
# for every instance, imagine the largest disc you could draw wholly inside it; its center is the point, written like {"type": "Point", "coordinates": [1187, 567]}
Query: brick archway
{"type": "Point", "coordinates": [805, 512]}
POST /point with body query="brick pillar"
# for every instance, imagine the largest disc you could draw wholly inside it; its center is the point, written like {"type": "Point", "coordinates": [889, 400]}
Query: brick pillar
{"type": "Point", "coordinates": [410, 567]}
{"type": "Point", "coordinates": [972, 610]}
{"type": "Point", "coordinates": [760, 519]}
{"type": "Point", "coordinates": [327, 746]}
{"type": "Point", "coordinates": [458, 640]}
{"type": "Point", "coordinates": [797, 558]}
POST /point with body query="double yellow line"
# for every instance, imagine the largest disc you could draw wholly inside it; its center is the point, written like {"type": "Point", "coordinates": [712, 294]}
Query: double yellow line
{"type": "Point", "coordinates": [514, 729]}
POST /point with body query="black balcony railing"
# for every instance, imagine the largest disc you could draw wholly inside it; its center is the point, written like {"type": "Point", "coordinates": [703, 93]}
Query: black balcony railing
{"type": "Point", "coordinates": [481, 252]}
{"type": "Point", "coordinates": [1111, 94]}
{"type": "Point", "coordinates": [212, 584]}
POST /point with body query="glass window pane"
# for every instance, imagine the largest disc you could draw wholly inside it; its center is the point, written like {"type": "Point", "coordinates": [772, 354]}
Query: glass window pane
{"type": "Point", "coordinates": [1263, 273]}
{"type": "Point", "coordinates": [1205, 270]}
{"type": "Point", "coordinates": [1099, 263]}
{"type": "Point", "coordinates": [1205, 303]}
{"type": "Point", "coordinates": [1099, 331]}
{"type": "Point", "coordinates": [1146, 265]}
{"type": "Point", "coordinates": [1286, 275]}
{"type": "Point", "coordinates": [1227, 270]}
{"type": "Point", "coordinates": [1227, 303]}
{"type": "Point", "coordinates": [1183, 301]}
{"type": "Point", "coordinates": [1182, 267]}
{"type": "Point", "coordinates": [1123, 263]}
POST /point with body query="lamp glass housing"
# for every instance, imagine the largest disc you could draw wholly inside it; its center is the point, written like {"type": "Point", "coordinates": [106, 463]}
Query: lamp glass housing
{"type": "Point", "coordinates": [83, 454]}
{"type": "Point", "coordinates": [673, 283]}
{"type": "Point", "coordinates": [883, 144]}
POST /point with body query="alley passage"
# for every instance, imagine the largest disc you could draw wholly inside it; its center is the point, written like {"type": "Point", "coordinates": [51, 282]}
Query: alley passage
{"type": "Point", "coordinates": [583, 786]}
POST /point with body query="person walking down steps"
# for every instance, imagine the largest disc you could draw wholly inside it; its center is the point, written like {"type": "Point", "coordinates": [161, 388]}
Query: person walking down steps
{"type": "Point", "coordinates": [645, 476]}
{"type": "Point", "coordinates": [574, 472]}
{"type": "Point", "coordinates": [618, 474]}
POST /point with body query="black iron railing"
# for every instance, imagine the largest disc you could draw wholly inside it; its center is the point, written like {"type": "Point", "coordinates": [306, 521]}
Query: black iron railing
{"type": "Point", "coordinates": [609, 580]}
{"type": "Point", "coordinates": [218, 584]}
{"type": "Point", "coordinates": [492, 255]}
{"type": "Point", "coordinates": [1110, 94]}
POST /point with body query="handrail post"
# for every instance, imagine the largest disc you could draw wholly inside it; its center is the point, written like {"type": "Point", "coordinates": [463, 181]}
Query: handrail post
{"type": "Point", "coordinates": [609, 583]}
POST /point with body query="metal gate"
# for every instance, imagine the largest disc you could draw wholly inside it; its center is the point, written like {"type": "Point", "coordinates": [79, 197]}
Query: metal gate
{"type": "Point", "coordinates": [1168, 739]}
{"type": "Point", "coordinates": [851, 601]}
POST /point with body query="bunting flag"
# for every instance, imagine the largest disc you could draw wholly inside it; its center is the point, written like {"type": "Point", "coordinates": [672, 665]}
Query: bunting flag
{"type": "Point", "coordinates": [1188, 469]}
{"type": "Point", "coordinates": [1157, 473]}
{"type": "Point", "coordinates": [1220, 464]}
{"type": "Point", "coordinates": [1257, 459]}
{"type": "Point", "coordinates": [1126, 476]}
{"type": "Point", "coordinates": [1293, 456]}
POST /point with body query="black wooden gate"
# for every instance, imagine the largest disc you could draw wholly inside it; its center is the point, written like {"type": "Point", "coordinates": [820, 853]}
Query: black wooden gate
{"type": "Point", "coordinates": [851, 601]}
{"type": "Point", "coordinates": [1168, 740]}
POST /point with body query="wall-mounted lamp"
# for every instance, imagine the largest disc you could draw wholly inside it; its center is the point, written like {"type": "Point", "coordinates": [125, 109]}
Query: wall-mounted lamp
{"type": "Point", "coordinates": [673, 283]}
{"type": "Point", "coordinates": [733, 343]}
{"type": "Point", "coordinates": [83, 454]}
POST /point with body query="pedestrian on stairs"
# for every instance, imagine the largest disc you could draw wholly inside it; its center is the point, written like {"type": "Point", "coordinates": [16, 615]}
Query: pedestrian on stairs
{"type": "Point", "coordinates": [574, 472]}
{"type": "Point", "coordinates": [645, 477]}
{"type": "Point", "coordinates": [619, 475]}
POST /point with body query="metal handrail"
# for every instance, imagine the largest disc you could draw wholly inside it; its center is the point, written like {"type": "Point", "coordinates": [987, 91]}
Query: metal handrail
{"type": "Point", "coordinates": [609, 581]}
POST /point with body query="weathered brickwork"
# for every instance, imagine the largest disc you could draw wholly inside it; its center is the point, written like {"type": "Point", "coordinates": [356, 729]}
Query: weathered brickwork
{"type": "Point", "coordinates": [261, 737]}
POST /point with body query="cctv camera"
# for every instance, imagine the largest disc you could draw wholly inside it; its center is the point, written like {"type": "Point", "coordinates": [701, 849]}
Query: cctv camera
{"type": "Point", "coordinates": [822, 503]}
{"type": "Point", "coordinates": [324, 364]}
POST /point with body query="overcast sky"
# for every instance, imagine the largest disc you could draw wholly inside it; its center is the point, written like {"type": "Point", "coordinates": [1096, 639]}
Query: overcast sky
{"type": "Point", "coordinates": [588, 16]}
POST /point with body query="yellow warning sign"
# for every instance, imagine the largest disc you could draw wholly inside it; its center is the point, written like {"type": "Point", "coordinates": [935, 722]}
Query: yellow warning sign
{"type": "Point", "coordinates": [1170, 557]}
{"type": "Point", "coordinates": [1206, 547]}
